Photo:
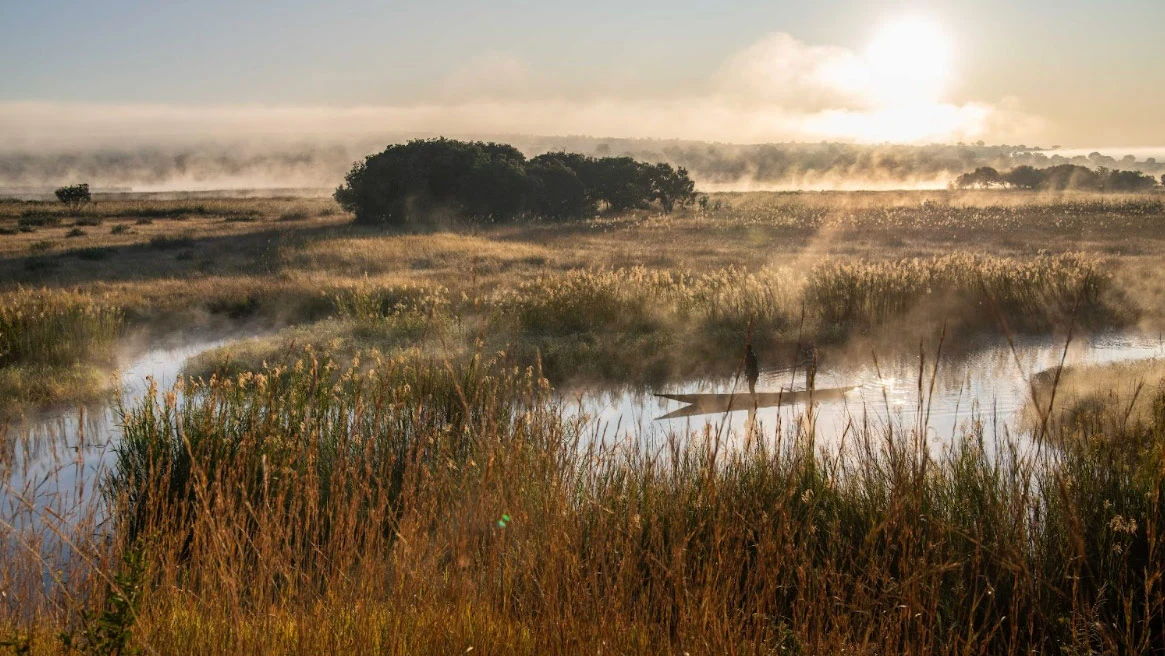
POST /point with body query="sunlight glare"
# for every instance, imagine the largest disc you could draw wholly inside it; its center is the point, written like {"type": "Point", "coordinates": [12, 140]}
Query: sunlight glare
{"type": "Point", "coordinates": [908, 61]}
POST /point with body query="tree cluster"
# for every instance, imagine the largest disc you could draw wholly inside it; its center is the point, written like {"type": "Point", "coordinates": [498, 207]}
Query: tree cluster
{"type": "Point", "coordinates": [407, 182]}
{"type": "Point", "coordinates": [1061, 177]}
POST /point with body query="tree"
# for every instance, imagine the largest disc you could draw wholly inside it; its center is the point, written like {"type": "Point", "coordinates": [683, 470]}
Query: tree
{"type": "Point", "coordinates": [586, 169]}
{"type": "Point", "coordinates": [74, 196]}
{"type": "Point", "coordinates": [1129, 181]}
{"type": "Point", "coordinates": [1024, 177]}
{"type": "Point", "coordinates": [622, 183]}
{"type": "Point", "coordinates": [983, 177]}
{"type": "Point", "coordinates": [671, 187]}
{"type": "Point", "coordinates": [406, 182]}
{"type": "Point", "coordinates": [1071, 176]}
{"type": "Point", "coordinates": [555, 190]}
{"type": "Point", "coordinates": [495, 185]}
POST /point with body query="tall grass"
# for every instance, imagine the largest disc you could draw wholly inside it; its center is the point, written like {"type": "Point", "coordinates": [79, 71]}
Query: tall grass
{"type": "Point", "coordinates": [1034, 295]}
{"type": "Point", "coordinates": [385, 506]}
{"type": "Point", "coordinates": [407, 310]}
{"type": "Point", "coordinates": [641, 325]}
{"type": "Point", "coordinates": [53, 344]}
{"type": "Point", "coordinates": [55, 327]}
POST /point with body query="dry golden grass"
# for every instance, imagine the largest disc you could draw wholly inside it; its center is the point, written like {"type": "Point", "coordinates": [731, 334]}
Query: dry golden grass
{"type": "Point", "coordinates": [429, 499]}
{"type": "Point", "coordinates": [269, 263]}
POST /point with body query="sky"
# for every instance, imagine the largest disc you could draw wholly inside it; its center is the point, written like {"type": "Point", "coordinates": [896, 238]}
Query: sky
{"type": "Point", "coordinates": [1076, 73]}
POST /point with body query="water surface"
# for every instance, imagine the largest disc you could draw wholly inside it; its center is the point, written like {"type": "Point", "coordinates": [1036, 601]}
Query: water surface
{"type": "Point", "coordinates": [990, 385]}
{"type": "Point", "coordinates": [55, 461]}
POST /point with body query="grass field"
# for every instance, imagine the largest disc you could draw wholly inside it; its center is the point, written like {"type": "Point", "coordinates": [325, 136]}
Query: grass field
{"type": "Point", "coordinates": [388, 470]}
{"type": "Point", "coordinates": [582, 293]}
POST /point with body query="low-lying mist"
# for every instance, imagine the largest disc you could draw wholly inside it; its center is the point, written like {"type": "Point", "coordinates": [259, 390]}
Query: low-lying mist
{"type": "Point", "coordinates": [318, 166]}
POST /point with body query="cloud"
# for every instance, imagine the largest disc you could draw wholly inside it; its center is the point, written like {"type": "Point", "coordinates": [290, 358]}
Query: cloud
{"type": "Point", "coordinates": [780, 70]}
{"type": "Point", "coordinates": [777, 89]}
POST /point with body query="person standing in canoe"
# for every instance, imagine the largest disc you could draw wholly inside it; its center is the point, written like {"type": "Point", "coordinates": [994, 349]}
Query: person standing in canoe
{"type": "Point", "coordinates": [751, 367]}
{"type": "Point", "coordinates": [810, 356]}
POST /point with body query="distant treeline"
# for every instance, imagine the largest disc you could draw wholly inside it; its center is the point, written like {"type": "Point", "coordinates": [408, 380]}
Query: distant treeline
{"type": "Point", "coordinates": [840, 165]}
{"type": "Point", "coordinates": [320, 163]}
{"type": "Point", "coordinates": [406, 182]}
{"type": "Point", "coordinates": [1061, 177]}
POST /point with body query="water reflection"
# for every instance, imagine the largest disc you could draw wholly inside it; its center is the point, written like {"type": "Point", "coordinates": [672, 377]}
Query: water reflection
{"type": "Point", "coordinates": [905, 391]}
{"type": "Point", "coordinates": [55, 462]}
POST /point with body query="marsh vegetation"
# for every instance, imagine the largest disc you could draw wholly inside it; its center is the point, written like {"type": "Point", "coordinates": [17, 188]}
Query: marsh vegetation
{"type": "Point", "coordinates": [391, 467]}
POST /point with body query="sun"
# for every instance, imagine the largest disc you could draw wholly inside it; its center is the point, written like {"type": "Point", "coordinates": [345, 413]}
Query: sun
{"type": "Point", "coordinates": [903, 75]}
{"type": "Point", "coordinates": [909, 62]}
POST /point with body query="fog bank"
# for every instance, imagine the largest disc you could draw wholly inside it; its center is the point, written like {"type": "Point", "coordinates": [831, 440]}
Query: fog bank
{"type": "Point", "coordinates": [321, 164]}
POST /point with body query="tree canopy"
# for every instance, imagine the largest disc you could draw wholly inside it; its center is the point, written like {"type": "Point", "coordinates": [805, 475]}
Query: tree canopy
{"type": "Point", "coordinates": [407, 182]}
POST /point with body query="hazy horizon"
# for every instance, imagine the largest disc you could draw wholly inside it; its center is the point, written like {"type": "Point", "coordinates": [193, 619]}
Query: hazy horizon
{"type": "Point", "coordinates": [943, 71]}
{"type": "Point", "coordinates": [318, 165]}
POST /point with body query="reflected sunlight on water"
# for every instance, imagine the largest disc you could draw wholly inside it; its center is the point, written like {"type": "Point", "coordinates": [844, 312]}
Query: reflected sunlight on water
{"type": "Point", "coordinates": [990, 386]}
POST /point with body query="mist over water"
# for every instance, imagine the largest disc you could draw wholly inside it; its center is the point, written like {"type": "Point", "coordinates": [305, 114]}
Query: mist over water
{"type": "Point", "coordinates": [990, 386]}
{"type": "Point", "coordinates": [58, 460]}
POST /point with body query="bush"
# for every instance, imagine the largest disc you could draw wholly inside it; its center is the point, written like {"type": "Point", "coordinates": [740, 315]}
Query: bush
{"type": "Point", "coordinates": [74, 196]}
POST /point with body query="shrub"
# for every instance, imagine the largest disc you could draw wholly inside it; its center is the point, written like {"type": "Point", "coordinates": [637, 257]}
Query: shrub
{"type": "Point", "coordinates": [74, 196]}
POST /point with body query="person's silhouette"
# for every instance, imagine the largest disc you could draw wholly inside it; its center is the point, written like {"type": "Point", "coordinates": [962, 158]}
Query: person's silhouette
{"type": "Point", "coordinates": [811, 365]}
{"type": "Point", "coordinates": [751, 368]}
